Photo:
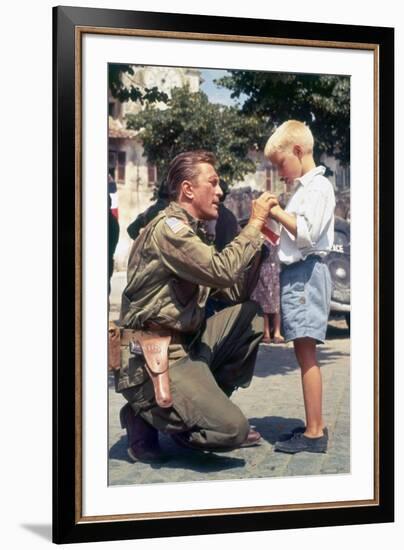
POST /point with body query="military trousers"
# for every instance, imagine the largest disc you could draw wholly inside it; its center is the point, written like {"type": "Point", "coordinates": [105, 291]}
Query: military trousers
{"type": "Point", "coordinates": [220, 360]}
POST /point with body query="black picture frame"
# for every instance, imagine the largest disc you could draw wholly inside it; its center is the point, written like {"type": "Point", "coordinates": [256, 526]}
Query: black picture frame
{"type": "Point", "coordinates": [68, 524]}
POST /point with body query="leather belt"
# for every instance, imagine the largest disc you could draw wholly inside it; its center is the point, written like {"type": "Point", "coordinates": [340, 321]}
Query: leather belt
{"type": "Point", "coordinates": [129, 335]}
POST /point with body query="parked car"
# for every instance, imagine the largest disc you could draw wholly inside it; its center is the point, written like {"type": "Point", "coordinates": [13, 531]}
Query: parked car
{"type": "Point", "coordinates": [338, 261]}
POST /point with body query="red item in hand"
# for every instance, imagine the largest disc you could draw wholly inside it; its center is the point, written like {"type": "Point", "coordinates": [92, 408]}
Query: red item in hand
{"type": "Point", "coordinates": [270, 234]}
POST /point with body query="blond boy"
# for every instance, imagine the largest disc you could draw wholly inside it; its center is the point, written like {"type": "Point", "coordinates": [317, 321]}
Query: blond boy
{"type": "Point", "coordinates": [307, 235]}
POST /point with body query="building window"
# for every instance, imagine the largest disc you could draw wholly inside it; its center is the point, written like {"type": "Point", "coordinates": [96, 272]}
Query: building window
{"type": "Point", "coordinates": [117, 163]}
{"type": "Point", "coordinates": [112, 162]}
{"type": "Point", "coordinates": [121, 166]}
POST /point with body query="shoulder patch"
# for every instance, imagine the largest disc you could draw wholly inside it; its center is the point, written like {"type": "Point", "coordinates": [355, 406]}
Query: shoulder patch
{"type": "Point", "coordinates": [175, 224]}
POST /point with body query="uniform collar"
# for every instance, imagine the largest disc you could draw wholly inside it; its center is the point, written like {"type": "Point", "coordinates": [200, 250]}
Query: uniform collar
{"type": "Point", "coordinates": [174, 209]}
{"type": "Point", "coordinates": [304, 180]}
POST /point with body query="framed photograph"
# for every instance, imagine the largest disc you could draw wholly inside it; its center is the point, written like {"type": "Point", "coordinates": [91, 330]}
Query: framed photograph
{"type": "Point", "coordinates": [132, 90]}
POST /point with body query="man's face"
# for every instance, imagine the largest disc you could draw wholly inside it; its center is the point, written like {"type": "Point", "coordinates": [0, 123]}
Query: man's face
{"type": "Point", "coordinates": [289, 165]}
{"type": "Point", "coordinates": [206, 193]}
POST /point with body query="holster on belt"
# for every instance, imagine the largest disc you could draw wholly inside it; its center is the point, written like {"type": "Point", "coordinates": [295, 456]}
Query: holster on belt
{"type": "Point", "coordinates": [154, 345]}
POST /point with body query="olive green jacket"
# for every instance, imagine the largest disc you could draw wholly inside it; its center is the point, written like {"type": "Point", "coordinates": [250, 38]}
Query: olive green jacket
{"type": "Point", "coordinates": [172, 271]}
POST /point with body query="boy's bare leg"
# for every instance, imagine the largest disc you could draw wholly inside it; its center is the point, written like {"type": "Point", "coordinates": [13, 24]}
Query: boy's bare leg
{"type": "Point", "coordinates": [305, 350]}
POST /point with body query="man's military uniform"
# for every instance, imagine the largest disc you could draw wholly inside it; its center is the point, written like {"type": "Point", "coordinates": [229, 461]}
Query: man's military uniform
{"type": "Point", "coordinates": [171, 272]}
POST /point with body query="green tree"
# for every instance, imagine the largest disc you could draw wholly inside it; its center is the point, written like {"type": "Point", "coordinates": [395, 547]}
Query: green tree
{"type": "Point", "coordinates": [191, 122]}
{"type": "Point", "coordinates": [322, 101]}
{"type": "Point", "coordinates": [124, 93]}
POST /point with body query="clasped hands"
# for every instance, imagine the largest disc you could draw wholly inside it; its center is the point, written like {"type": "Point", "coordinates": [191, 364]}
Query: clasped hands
{"type": "Point", "coordinates": [261, 208]}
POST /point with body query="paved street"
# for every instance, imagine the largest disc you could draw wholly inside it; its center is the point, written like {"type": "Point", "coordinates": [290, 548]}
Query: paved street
{"type": "Point", "coordinates": [273, 404]}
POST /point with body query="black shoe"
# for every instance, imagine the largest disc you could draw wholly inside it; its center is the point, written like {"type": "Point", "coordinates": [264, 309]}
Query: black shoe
{"type": "Point", "coordinates": [143, 439]}
{"type": "Point", "coordinates": [299, 443]}
{"type": "Point", "coordinates": [298, 430]}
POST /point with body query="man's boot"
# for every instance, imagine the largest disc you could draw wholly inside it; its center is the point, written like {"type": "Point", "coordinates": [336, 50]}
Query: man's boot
{"type": "Point", "coordinates": [143, 439]}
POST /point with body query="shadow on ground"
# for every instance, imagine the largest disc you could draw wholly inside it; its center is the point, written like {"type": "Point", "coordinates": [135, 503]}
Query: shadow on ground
{"type": "Point", "coordinates": [337, 332]}
{"type": "Point", "coordinates": [273, 360]}
{"type": "Point", "coordinates": [271, 427]}
{"type": "Point", "coordinates": [181, 458]}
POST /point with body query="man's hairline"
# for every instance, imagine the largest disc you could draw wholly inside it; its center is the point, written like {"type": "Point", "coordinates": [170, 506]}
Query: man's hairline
{"type": "Point", "coordinates": [196, 175]}
{"type": "Point", "coordinates": [198, 171]}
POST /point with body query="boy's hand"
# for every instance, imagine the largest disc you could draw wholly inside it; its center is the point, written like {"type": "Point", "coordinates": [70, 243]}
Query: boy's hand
{"type": "Point", "coordinates": [261, 208]}
{"type": "Point", "coordinates": [275, 211]}
{"type": "Point", "coordinates": [284, 218]}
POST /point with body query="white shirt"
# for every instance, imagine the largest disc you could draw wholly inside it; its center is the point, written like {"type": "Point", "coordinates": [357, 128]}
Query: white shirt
{"type": "Point", "coordinates": [313, 204]}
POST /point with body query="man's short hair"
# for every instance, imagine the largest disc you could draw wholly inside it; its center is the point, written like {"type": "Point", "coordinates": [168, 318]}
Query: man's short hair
{"type": "Point", "coordinates": [290, 133]}
{"type": "Point", "coordinates": [185, 167]}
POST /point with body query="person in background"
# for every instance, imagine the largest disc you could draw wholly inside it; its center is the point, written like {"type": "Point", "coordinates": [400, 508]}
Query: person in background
{"type": "Point", "coordinates": [221, 232]}
{"type": "Point", "coordinates": [145, 217]}
{"type": "Point", "coordinates": [267, 294]}
{"type": "Point", "coordinates": [227, 227]}
{"type": "Point", "coordinates": [113, 225]}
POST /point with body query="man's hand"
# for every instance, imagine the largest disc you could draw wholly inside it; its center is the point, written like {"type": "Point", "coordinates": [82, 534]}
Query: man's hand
{"type": "Point", "coordinates": [261, 208]}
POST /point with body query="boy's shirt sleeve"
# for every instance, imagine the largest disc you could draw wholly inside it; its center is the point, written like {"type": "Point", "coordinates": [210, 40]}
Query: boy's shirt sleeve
{"type": "Point", "coordinates": [315, 214]}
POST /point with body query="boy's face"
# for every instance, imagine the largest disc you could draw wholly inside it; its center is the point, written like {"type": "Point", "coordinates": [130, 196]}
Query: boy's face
{"type": "Point", "coordinates": [289, 165]}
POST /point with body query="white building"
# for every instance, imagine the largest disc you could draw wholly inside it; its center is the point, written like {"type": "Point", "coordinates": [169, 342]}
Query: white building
{"type": "Point", "coordinates": [134, 175]}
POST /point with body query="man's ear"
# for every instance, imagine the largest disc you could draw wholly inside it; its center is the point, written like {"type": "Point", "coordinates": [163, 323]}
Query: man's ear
{"type": "Point", "coordinates": [298, 151]}
{"type": "Point", "coordinates": [187, 189]}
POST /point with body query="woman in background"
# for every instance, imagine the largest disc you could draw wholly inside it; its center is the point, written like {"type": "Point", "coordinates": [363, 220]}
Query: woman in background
{"type": "Point", "coordinates": [266, 293]}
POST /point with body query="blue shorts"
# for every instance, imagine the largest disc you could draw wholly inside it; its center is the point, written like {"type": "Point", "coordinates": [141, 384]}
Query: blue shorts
{"type": "Point", "coordinates": [305, 299]}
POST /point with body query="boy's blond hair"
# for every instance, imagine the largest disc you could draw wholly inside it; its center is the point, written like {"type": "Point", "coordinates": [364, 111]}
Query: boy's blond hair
{"type": "Point", "coordinates": [290, 133]}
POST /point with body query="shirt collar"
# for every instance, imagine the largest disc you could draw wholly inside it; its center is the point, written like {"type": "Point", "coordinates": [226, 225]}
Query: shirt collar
{"type": "Point", "coordinates": [174, 209]}
{"type": "Point", "coordinates": [304, 180]}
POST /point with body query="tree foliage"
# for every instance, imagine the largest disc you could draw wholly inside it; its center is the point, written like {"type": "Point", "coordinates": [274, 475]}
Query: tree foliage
{"type": "Point", "coordinates": [191, 122]}
{"type": "Point", "coordinates": [322, 101]}
{"type": "Point", "coordinates": [123, 93]}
